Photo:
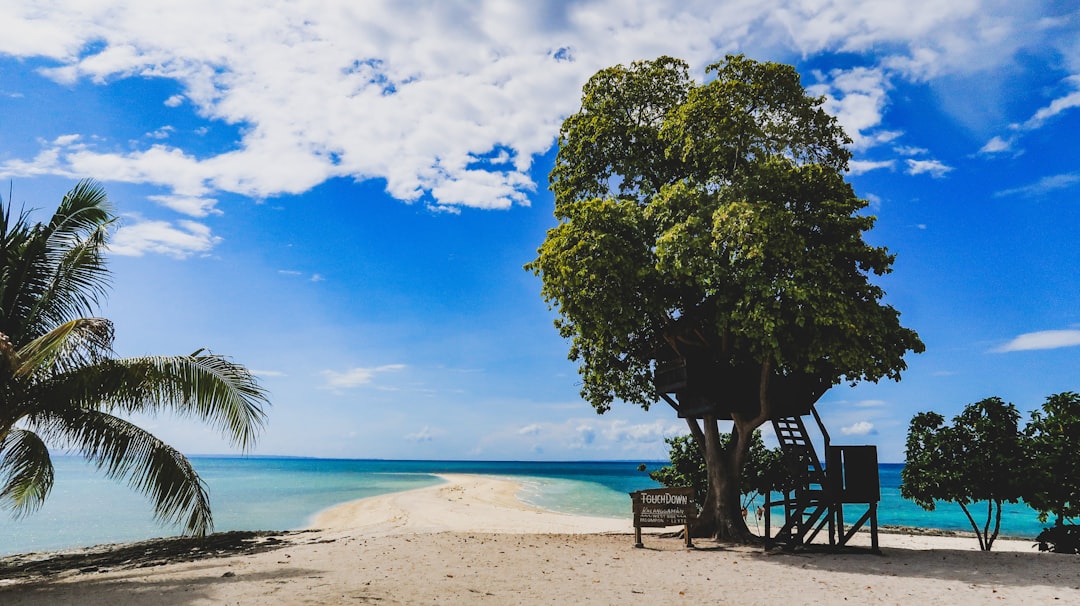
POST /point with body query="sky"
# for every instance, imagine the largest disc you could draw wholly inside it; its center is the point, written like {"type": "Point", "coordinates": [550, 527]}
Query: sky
{"type": "Point", "coordinates": [341, 195]}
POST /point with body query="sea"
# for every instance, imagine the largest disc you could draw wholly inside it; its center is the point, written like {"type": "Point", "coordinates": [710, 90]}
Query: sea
{"type": "Point", "coordinates": [271, 493]}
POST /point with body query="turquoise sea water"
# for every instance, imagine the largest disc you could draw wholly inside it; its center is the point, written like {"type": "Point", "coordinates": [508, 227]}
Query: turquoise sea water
{"type": "Point", "coordinates": [256, 493]}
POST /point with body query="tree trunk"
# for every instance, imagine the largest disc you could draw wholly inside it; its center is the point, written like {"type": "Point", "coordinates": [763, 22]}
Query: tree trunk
{"type": "Point", "coordinates": [721, 517]}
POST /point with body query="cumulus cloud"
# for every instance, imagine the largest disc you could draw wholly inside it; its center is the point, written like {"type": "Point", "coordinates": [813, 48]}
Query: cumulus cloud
{"type": "Point", "coordinates": [934, 168]}
{"type": "Point", "coordinates": [996, 145]}
{"type": "Point", "coordinates": [179, 240]}
{"type": "Point", "coordinates": [857, 98]}
{"type": "Point", "coordinates": [428, 97]}
{"type": "Point", "coordinates": [530, 430]}
{"type": "Point", "coordinates": [192, 206]}
{"type": "Point", "coordinates": [858, 167]}
{"type": "Point", "coordinates": [861, 428]}
{"type": "Point", "coordinates": [357, 377]}
{"type": "Point", "coordinates": [1046, 339]}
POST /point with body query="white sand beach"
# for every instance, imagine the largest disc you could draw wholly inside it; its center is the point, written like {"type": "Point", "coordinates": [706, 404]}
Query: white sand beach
{"type": "Point", "coordinates": [472, 541]}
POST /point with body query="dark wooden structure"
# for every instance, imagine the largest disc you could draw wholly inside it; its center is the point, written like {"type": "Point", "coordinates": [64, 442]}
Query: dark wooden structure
{"type": "Point", "coordinates": [848, 478]}
{"type": "Point", "coordinates": [688, 378]}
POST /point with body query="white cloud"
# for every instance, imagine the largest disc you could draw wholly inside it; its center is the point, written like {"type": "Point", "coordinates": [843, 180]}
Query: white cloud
{"type": "Point", "coordinates": [180, 240]}
{"type": "Point", "coordinates": [857, 98]}
{"type": "Point", "coordinates": [934, 168]}
{"type": "Point", "coordinates": [600, 434]}
{"type": "Point", "coordinates": [910, 150]}
{"type": "Point", "coordinates": [356, 377]}
{"type": "Point", "coordinates": [1046, 339]}
{"type": "Point", "coordinates": [858, 167]}
{"type": "Point", "coordinates": [870, 403]}
{"type": "Point", "coordinates": [1058, 105]}
{"type": "Point", "coordinates": [657, 431]}
{"type": "Point", "coordinates": [426, 434]}
{"type": "Point", "coordinates": [193, 206]}
{"type": "Point", "coordinates": [1043, 186]}
{"type": "Point", "coordinates": [861, 428]}
{"type": "Point", "coordinates": [996, 145]}
{"type": "Point", "coordinates": [530, 430]}
{"type": "Point", "coordinates": [414, 93]}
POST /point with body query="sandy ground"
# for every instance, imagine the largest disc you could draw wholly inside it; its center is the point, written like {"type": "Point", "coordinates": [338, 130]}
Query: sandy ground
{"type": "Point", "coordinates": [471, 541]}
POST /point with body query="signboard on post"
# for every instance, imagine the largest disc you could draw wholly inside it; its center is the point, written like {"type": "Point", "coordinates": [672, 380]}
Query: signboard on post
{"type": "Point", "coordinates": [659, 507]}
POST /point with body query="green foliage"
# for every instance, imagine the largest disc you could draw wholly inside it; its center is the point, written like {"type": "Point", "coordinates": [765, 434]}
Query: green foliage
{"type": "Point", "coordinates": [1054, 443]}
{"type": "Point", "coordinates": [1060, 539]}
{"type": "Point", "coordinates": [764, 471]}
{"type": "Point", "coordinates": [981, 457]}
{"type": "Point", "coordinates": [61, 385]}
{"type": "Point", "coordinates": [722, 208]}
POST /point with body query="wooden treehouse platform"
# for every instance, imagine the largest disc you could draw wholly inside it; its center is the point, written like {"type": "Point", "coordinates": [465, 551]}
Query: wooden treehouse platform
{"type": "Point", "coordinates": [823, 491]}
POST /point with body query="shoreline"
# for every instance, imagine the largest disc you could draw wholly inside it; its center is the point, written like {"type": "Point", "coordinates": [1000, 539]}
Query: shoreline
{"type": "Point", "coordinates": [471, 540]}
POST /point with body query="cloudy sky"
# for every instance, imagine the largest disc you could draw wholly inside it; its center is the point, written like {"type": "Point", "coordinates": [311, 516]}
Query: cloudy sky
{"type": "Point", "coordinates": [341, 195]}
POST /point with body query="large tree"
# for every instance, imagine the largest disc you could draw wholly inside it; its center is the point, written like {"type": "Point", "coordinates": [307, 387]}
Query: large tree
{"type": "Point", "coordinates": [711, 225]}
{"type": "Point", "coordinates": [61, 384]}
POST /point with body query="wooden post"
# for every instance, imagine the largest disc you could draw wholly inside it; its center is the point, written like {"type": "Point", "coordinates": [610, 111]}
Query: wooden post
{"type": "Point", "coordinates": [637, 537]}
{"type": "Point", "coordinates": [689, 542]}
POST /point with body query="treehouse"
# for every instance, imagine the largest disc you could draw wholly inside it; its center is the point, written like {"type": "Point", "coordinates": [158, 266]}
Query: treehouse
{"type": "Point", "coordinates": [689, 377]}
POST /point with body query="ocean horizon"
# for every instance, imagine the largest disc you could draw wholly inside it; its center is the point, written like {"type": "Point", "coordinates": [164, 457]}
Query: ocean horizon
{"type": "Point", "coordinates": [86, 508]}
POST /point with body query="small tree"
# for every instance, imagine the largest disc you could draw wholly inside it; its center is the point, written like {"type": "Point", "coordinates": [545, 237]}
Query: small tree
{"type": "Point", "coordinates": [1053, 444]}
{"type": "Point", "coordinates": [980, 458]}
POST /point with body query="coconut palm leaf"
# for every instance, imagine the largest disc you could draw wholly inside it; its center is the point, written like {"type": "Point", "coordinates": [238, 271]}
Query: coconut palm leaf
{"type": "Point", "coordinates": [74, 344]}
{"type": "Point", "coordinates": [127, 452]}
{"type": "Point", "coordinates": [205, 386]}
{"type": "Point", "coordinates": [54, 272]}
{"type": "Point", "coordinates": [26, 471]}
{"type": "Point", "coordinates": [60, 384]}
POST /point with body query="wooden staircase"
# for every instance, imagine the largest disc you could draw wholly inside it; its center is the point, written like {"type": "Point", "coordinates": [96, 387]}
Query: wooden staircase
{"type": "Point", "coordinates": [816, 499]}
{"type": "Point", "coordinates": [808, 505]}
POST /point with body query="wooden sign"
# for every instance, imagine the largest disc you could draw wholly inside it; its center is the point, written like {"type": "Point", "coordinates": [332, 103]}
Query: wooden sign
{"type": "Point", "coordinates": [659, 507]}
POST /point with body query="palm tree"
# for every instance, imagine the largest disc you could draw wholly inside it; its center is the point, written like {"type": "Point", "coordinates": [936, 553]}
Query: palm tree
{"type": "Point", "coordinates": [61, 385]}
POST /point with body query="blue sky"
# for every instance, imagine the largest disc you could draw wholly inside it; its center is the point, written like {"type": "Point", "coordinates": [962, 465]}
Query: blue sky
{"type": "Point", "coordinates": [341, 196]}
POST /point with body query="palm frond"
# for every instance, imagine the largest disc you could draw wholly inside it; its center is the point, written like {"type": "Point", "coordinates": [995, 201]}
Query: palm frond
{"type": "Point", "coordinates": [26, 471]}
{"type": "Point", "coordinates": [54, 272]}
{"type": "Point", "coordinates": [74, 344]}
{"type": "Point", "coordinates": [204, 385]}
{"type": "Point", "coordinates": [127, 452]}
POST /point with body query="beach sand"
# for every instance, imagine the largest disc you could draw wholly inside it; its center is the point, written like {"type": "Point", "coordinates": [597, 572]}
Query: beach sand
{"type": "Point", "coordinates": [471, 541]}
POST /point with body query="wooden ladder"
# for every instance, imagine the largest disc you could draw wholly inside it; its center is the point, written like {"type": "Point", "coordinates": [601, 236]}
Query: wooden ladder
{"type": "Point", "coordinates": [810, 508]}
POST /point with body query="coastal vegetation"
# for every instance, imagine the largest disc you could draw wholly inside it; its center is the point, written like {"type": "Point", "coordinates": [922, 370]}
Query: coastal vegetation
{"type": "Point", "coordinates": [61, 386]}
{"type": "Point", "coordinates": [710, 225]}
{"type": "Point", "coordinates": [984, 456]}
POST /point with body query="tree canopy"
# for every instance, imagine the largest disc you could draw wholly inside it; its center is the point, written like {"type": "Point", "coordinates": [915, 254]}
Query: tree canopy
{"type": "Point", "coordinates": [62, 385]}
{"type": "Point", "coordinates": [980, 458]}
{"type": "Point", "coordinates": [1054, 446]}
{"type": "Point", "coordinates": [712, 223]}
{"type": "Point", "coordinates": [719, 208]}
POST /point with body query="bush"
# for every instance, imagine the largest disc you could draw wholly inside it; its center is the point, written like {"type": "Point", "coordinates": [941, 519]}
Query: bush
{"type": "Point", "coordinates": [1060, 539]}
